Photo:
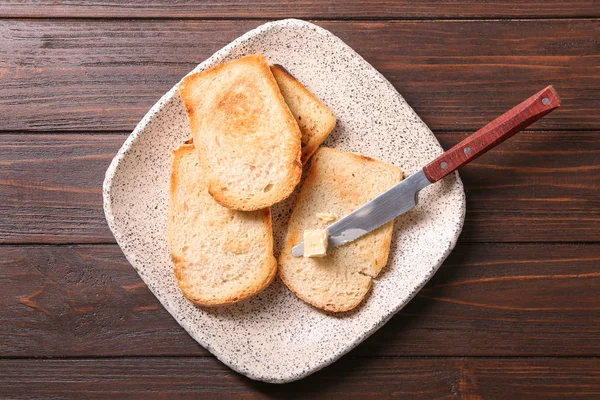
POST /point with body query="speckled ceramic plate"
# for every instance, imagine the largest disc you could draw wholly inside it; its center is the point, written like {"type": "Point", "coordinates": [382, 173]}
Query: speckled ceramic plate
{"type": "Point", "coordinates": [274, 336]}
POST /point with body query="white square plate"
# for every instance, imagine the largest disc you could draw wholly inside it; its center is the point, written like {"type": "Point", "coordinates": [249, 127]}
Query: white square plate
{"type": "Point", "coordinates": [274, 336]}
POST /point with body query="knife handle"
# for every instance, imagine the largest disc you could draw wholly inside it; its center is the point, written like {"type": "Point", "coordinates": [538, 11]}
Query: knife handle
{"type": "Point", "coordinates": [494, 133]}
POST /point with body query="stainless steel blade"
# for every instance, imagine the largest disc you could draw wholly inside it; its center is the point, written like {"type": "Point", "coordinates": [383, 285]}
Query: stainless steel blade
{"type": "Point", "coordinates": [381, 209]}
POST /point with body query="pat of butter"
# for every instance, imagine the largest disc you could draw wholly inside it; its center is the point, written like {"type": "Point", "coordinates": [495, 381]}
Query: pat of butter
{"type": "Point", "coordinates": [326, 217]}
{"type": "Point", "coordinates": [315, 243]}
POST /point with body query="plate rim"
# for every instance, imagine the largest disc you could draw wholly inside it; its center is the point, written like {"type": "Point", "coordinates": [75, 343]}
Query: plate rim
{"type": "Point", "coordinates": [148, 118]}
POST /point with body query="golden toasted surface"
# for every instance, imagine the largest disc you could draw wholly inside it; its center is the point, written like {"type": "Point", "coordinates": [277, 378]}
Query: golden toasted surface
{"type": "Point", "coordinates": [247, 139]}
{"type": "Point", "coordinates": [337, 183]}
{"type": "Point", "coordinates": [220, 255]}
{"type": "Point", "coordinates": [315, 120]}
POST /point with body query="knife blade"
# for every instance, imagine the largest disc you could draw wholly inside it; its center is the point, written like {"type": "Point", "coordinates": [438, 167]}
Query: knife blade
{"type": "Point", "coordinates": [383, 208]}
{"type": "Point", "coordinates": [404, 196]}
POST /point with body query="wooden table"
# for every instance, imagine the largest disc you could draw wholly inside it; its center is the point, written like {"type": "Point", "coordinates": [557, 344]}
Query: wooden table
{"type": "Point", "coordinates": [513, 312]}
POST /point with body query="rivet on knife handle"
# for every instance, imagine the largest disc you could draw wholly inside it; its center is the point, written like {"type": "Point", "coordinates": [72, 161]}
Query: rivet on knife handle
{"type": "Point", "coordinates": [493, 133]}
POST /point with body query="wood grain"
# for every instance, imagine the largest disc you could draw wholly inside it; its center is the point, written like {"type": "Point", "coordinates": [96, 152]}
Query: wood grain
{"type": "Point", "coordinates": [78, 301]}
{"type": "Point", "coordinates": [350, 378]}
{"type": "Point", "coordinates": [487, 299]}
{"type": "Point", "coordinates": [51, 187]}
{"type": "Point", "coordinates": [498, 320]}
{"type": "Point", "coordinates": [458, 75]}
{"type": "Point", "coordinates": [538, 186]}
{"type": "Point", "coordinates": [541, 187]}
{"type": "Point", "coordinates": [494, 133]}
{"type": "Point", "coordinates": [330, 9]}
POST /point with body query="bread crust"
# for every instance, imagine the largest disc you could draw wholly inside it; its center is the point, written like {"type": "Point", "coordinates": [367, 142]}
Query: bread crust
{"type": "Point", "coordinates": [267, 262]}
{"type": "Point", "coordinates": [356, 263]}
{"type": "Point", "coordinates": [242, 125]}
{"type": "Point", "coordinates": [312, 137]}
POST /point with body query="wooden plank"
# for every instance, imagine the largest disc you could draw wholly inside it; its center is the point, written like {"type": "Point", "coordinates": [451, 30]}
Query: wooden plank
{"type": "Point", "coordinates": [532, 170]}
{"type": "Point", "coordinates": [502, 299]}
{"type": "Point", "coordinates": [349, 378]}
{"type": "Point", "coordinates": [534, 187]}
{"type": "Point", "coordinates": [458, 75]}
{"type": "Point", "coordinates": [73, 301]}
{"type": "Point", "coordinates": [51, 187]}
{"type": "Point", "coordinates": [486, 300]}
{"type": "Point", "coordinates": [538, 186]}
{"type": "Point", "coordinates": [330, 9]}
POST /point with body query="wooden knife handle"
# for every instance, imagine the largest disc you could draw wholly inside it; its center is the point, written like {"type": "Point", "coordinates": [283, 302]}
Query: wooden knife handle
{"type": "Point", "coordinates": [494, 133]}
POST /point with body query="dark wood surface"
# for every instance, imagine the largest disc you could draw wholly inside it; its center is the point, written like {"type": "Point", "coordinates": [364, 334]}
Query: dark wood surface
{"type": "Point", "coordinates": [486, 300]}
{"type": "Point", "coordinates": [329, 9]}
{"type": "Point", "coordinates": [514, 312]}
{"type": "Point", "coordinates": [502, 128]}
{"type": "Point", "coordinates": [538, 186]}
{"type": "Point", "coordinates": [349, 378]}
{"type": "Point", "coordinates": [98, 75]}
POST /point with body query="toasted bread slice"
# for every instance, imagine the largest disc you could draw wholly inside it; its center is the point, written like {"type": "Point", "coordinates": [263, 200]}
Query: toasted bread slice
{"type": "Point", "coordinates": [336, 184]}
{"type": "Point", "coordinates": [246, 137]}
{"type": "Point", "coordinates": [220, 255]}
{"type": "Point", "coordinates": [315, 120]}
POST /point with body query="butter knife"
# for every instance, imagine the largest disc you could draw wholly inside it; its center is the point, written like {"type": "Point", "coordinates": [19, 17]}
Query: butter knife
{"type": "Point", "coordinates": [404, 196]}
